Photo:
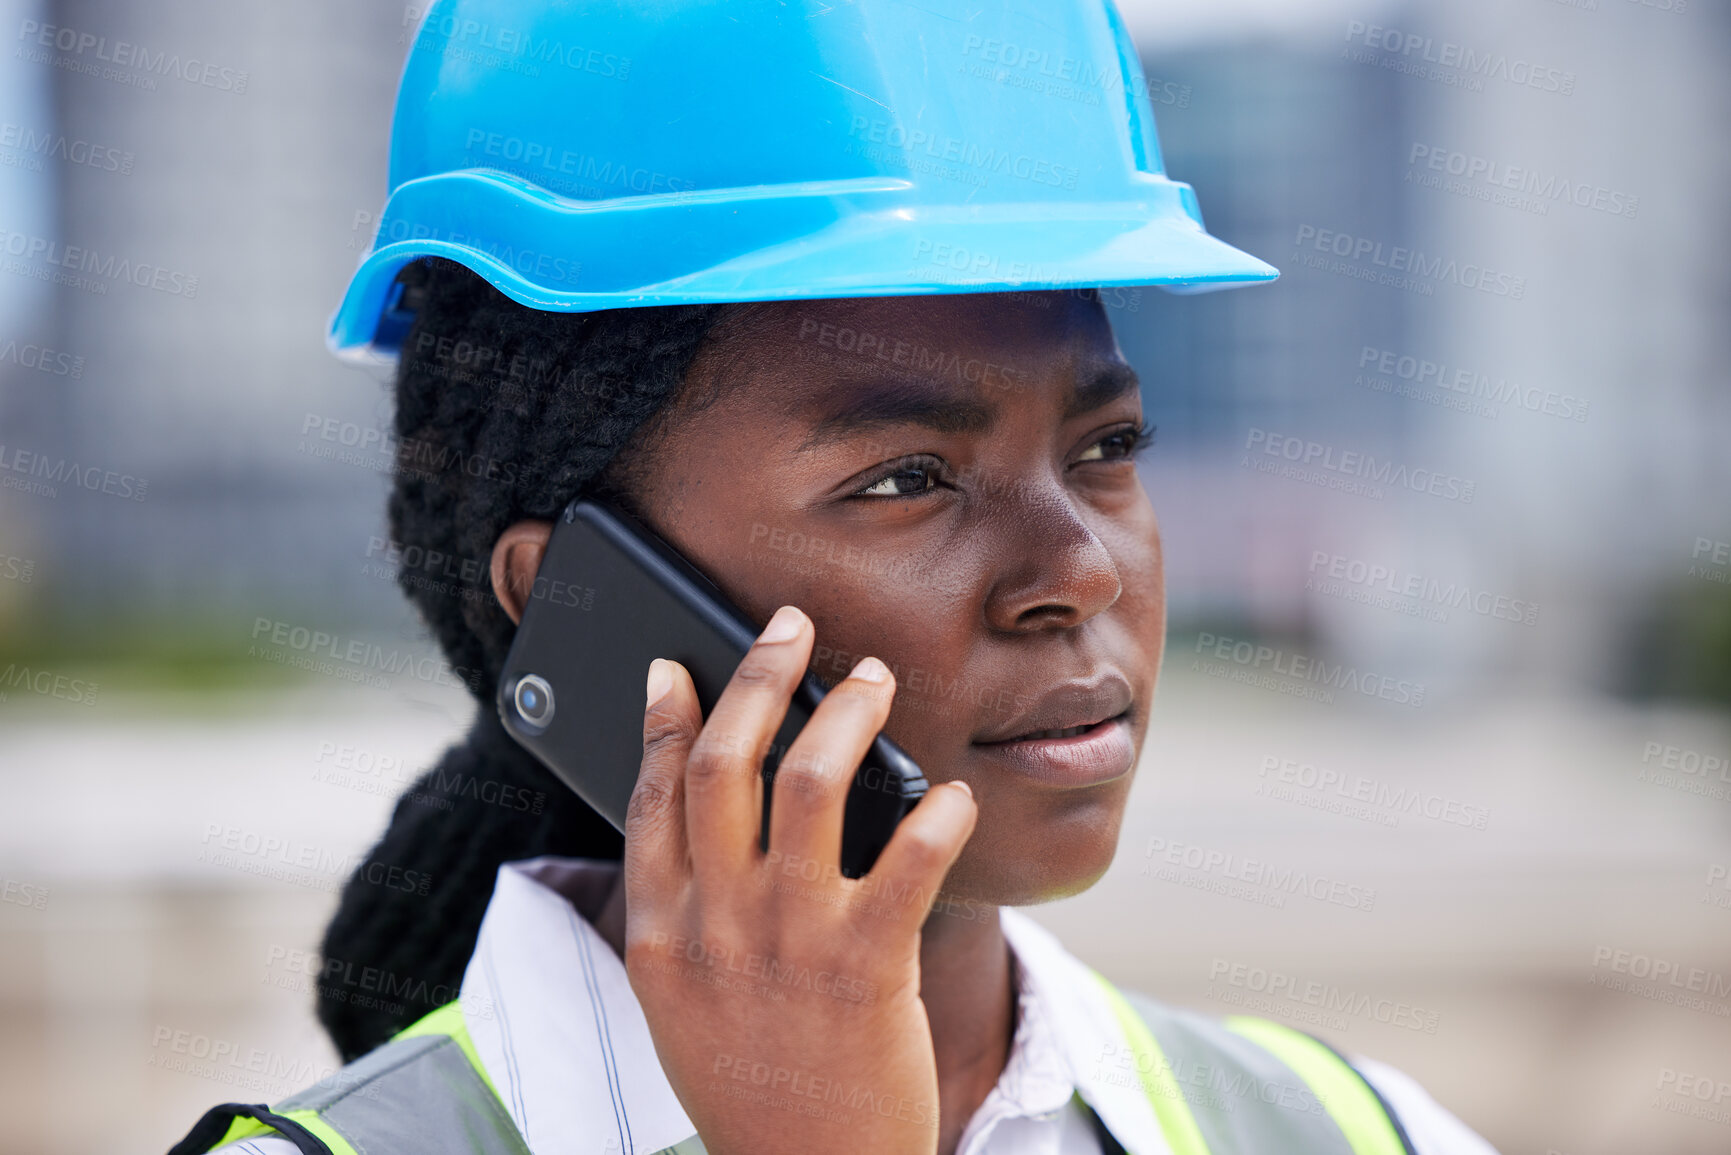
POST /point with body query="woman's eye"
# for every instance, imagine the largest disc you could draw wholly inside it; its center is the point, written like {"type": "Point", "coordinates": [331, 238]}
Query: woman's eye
{"type": "Point", "coordinates": [903, 482]}
{"type": "Point", "coordinates": [1123, 443]}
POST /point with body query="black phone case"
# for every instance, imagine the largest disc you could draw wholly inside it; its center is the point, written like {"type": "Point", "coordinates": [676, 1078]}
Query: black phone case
{"type": "Point", "coordinates": [610, 597]}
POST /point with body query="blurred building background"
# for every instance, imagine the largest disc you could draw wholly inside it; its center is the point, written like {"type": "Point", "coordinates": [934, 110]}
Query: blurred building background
{"type": "Point", "coordinates": [1553, 341]}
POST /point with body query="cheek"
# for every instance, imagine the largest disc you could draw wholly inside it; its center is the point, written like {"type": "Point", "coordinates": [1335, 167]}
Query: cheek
{"type": "Point", "coordinates": [924, 637]}
{"type": "Point", "coordinates": [1141, 608]}
{"type": "Point", "coordinates": [1137, 551]}
{"type": "Point", "coordinates": [861, 606]}
{"type": "Point", "coordinates": [1156, 579]}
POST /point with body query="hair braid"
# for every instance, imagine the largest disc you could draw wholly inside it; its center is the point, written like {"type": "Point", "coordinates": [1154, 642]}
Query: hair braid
{"type": "Point", "coordinates": [502, 413]}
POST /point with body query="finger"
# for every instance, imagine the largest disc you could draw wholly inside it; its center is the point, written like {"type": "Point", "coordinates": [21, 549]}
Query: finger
{"type": "Point", "coordinates": [927, 842]}
{"type": "Point", "coordinates": [813, 779]}
{"type": "Point", "coordinates": [655, 846]}
{"type": "Point", "coordinates": [724, 774]}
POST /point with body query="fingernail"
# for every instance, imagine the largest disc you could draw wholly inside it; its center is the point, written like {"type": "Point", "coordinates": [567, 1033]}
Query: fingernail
{"type": "Point", "coordinates": [660, 681]}
{"type": "Point", "coordinates": [784, 626]}
{"type": "Point", "coordinates": [966, 789]}
{"type": "Point", "coordinates": [870, 670]}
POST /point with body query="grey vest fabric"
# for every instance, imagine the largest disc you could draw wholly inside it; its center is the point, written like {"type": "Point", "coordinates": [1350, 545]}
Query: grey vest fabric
{"type": "Point", "coordinates": [1242, 1098]}
{"type": "Point", "coordinates": [418, 1096]}
{"type": "Point", "coordinates": [421, 1096]}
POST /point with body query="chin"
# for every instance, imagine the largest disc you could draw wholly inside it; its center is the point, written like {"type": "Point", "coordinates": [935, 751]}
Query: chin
{"type": "Point", "coordinates": [1025, 864]}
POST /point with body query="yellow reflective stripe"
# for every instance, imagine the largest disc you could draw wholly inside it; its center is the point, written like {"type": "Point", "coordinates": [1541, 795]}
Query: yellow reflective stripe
{"type": "Point", "coordinates": [448, 1020]}
{"type": "Point", "coordinates": [311, 1121]}
{"type": "Point", "coordinates": [1346, 1097]}
{"type": "Point", "coordinates": [243, 1128]}
{"type": "Point", "coordinates": [1177, 1124]}
{"type": "Point", "coordinates": [240, 1127]}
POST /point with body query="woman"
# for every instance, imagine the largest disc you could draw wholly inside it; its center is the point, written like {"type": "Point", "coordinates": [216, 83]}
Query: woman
{"type": "Point", "coordinates": [989, 594]}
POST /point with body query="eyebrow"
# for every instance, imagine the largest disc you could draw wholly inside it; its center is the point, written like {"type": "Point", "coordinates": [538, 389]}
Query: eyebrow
{"type": "Point", "coordinates": [877, 403]}
{"type": "Point", "coordinates": [1105, 383]}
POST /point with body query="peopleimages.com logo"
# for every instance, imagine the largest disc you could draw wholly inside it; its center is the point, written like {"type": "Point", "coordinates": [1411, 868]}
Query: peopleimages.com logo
{"type": "Point", "coordinates": [99, 56]}
{"type": "Point", "coordinates": [1347, 470]}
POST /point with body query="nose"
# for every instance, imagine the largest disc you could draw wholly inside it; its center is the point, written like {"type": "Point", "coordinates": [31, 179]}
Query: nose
{"type": "Point", "coordinates": [1055, 571]}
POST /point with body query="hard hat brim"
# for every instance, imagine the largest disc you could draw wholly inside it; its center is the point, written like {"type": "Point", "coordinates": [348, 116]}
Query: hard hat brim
{"type": "Point", "coordinates": [857, 238]}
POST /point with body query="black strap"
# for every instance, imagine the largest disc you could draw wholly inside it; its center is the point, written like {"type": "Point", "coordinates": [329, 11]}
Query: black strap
{"type": "Point", "coordinates": [208, 1131]}
{"type": "Point", "coordinates": [1399, 1127]}
{"type": "Point", "coordinates": [1109, 1144]}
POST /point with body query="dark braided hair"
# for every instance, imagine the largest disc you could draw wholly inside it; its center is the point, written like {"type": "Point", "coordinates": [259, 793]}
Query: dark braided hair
{"type": "Point", "coordinates": [503, 413]}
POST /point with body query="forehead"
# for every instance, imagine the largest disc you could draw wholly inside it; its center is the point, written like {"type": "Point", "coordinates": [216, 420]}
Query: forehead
{"type": "Point", "coordinates": [838, 360]}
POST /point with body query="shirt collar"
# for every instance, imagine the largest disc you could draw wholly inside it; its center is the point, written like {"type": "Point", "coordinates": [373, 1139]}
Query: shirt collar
{"type": "Point", "coordinates": [1036, 1079]}
{"type": "Point", "coordinates": [1085, 1033]}
{"type": "Point", "coordinates": [559, 1030]}
{"type": "Point", "coordinates": [563, 1038]}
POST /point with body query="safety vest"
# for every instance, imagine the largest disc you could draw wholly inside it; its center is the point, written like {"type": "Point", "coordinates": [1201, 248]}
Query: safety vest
{"type": "Point", "coordinates": [1238, 1086]}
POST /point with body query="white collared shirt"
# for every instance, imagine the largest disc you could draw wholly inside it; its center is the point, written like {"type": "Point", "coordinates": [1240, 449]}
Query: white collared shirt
{"type": "Point", "coordinates": [563, 1038]}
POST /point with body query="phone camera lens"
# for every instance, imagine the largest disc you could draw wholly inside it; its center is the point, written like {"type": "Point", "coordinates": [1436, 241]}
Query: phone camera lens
{"type": "Point", "coordinates": [534, 700]}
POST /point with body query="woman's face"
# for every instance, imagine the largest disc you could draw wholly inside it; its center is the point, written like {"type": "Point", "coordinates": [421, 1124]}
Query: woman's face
{"type": "Point", "coordinates": [946, 483]}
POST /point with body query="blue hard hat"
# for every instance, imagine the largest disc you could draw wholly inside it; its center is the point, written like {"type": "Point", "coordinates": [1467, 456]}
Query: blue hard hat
{"type": "Point", "coordinates": [599, 154]}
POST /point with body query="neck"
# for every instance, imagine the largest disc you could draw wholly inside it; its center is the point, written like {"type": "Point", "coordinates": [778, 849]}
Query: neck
{"type": "Point", "coordinates": [969, 990]}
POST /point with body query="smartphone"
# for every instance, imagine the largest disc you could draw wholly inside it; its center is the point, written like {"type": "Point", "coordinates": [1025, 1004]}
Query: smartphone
{"type": "Point", "coordinates": [611, 596]}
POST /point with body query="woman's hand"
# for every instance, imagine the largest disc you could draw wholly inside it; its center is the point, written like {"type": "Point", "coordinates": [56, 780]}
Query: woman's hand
{"type": "Point", "coordinates": [783, 998]}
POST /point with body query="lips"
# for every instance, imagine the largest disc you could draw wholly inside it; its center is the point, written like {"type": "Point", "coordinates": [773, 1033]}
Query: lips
{"type": "Point", "coordinates": [1065, 711]}
{"type": "Point", "coordinates": [1066, 732]}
